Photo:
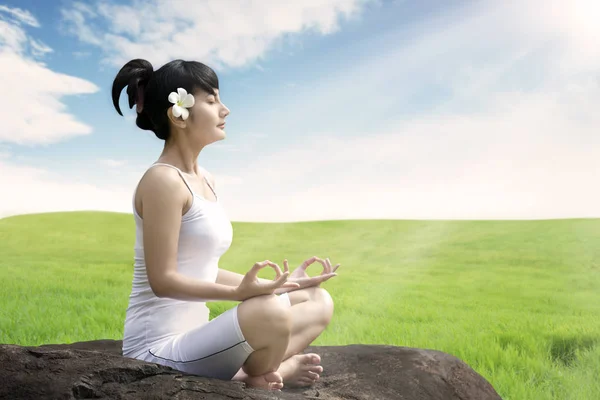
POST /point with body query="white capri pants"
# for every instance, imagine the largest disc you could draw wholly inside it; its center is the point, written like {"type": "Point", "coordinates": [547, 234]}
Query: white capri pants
{"type": "Point", "coordinates": [216, 349]}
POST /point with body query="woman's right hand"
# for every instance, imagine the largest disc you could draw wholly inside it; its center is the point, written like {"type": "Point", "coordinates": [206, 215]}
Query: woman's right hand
{"type": "Point", "coordinates": [251, 286]}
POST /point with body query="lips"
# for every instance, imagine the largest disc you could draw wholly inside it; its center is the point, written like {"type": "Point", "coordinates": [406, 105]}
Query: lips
{"type": "Point", "coordinates": [221, 126]}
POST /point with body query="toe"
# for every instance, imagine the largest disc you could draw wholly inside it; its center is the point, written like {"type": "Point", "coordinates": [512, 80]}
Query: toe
{"type": "Point", "coordinates": [311, 358]}
{"type": "Point", "coordinates": [313, 376]}
{"type": "Point", "coordinates": [315, 359]}
{"type": "Point", "coordinates": [316, 368]}
{"type": "Point", "coordinates": [313, 368]}
{"type": "Point", "coordinates": [274, 377]}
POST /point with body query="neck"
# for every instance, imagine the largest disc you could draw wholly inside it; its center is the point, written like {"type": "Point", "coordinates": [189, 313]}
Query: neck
{"type": "Point", "coordinates": [182, 155]}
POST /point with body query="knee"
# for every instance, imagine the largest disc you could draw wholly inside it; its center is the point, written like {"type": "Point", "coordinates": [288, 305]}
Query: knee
{"type": "Point", "coordinates": [267, 312]}
{"type": "Point", "coordinates": [325, 301]}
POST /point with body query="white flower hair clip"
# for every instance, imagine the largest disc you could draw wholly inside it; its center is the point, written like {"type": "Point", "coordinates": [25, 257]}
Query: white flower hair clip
{"type": "Point", "coordinates": [181, 100]}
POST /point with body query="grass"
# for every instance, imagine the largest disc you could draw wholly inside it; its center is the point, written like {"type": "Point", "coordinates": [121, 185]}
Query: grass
{"type": "Point", "coordinates": [516, 300]}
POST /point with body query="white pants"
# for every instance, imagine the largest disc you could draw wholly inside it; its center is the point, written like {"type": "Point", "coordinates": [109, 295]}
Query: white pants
{"type": "Point", "coordinates": [216, 349]}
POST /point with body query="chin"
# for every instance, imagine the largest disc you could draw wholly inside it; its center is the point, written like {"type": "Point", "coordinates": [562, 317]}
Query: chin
{"type": "Point", "coordinates": [218, 138]}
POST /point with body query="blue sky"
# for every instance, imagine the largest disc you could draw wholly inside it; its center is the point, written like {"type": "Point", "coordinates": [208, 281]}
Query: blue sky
{"type": "Point", "coordinates": [340, 109]}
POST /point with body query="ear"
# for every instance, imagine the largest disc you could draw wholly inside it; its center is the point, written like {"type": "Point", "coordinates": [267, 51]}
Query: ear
{"type": "Point", "coordinates": [178, 122]}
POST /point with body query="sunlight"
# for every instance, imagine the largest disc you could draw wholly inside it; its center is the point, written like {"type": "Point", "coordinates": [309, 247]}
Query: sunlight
{"type": "Point", "coordinates": [584, 15]}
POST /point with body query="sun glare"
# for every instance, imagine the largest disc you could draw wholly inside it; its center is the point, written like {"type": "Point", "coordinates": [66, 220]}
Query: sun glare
{"type": "Point", "coordinates": [586, 17]}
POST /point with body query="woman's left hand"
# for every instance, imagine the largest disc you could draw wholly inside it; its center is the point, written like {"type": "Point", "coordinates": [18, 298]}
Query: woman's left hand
{"type": "Point", "coordinates": [300, 276]}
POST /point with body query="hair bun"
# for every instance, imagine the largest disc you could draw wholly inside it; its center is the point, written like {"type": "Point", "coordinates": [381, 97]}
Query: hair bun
{"type": "Point", "coordinates": [135, 74]}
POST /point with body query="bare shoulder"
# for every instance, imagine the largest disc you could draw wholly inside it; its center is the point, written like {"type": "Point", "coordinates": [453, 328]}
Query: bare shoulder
{"type": "Point", "coordinates": [161, 185]}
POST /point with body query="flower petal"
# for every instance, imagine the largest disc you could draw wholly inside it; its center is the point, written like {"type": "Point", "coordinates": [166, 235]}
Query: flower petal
{"type": "Point", "coordinates": [184, 113]}
{"type": "Point", "coordinates": [173, 97]}
{"type": "Point", "coordinates": [177, 111]}
{"type": "Point", "coordinates": [182, 93]}
{"type": "Point", "coordinates": [188, 101]}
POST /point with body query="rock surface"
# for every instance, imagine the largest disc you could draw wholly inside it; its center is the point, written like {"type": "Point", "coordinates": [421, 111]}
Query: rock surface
{"type": "Point", "coordinates": [97, 370]}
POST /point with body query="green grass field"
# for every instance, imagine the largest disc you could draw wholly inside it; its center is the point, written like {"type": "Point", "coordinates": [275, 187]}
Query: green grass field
{"type": "Point", "coordinates": [519, 301]}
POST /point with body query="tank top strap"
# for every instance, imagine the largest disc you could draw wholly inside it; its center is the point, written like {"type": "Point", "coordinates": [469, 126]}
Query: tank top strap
{"type": "Point", "coordinates": [180, 174]}
{"type": "Point", "coordinates": [204, 174]}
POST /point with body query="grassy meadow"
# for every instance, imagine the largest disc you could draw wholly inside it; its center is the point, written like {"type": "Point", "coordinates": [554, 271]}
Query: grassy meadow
{"type": "Point", "coordinates": [519, 301]}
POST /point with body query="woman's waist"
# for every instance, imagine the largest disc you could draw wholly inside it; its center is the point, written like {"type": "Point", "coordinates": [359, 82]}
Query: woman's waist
{"type": "Point", "coordinates": [163, 316]}
{"type": "Point", "coordinates": [144, 300]}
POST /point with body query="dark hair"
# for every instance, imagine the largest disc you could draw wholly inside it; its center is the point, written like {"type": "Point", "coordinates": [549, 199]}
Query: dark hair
{"type": "Point", "coordinates": [150, 89]}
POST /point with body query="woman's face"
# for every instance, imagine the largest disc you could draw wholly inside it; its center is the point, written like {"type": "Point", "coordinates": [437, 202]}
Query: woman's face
{"type": "Point", "coordinates": [207, 117]}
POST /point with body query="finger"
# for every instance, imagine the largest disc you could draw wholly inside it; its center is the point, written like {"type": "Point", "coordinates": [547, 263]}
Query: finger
{"type": "Point", "coordinates": [286, 267]}
{"type": "Point", "coordinates": [279, 282]}
{"type": "Point", "coordinates": [324, 263]}
{"type": "Point", "coordinates": [317, 259]}
{"type": "Point", "coordinates": [328, 265]}
{"type": "Point", "coordinates": [278, 271]}
{"type": "Point", "coordinates": [315, 280]}
{"type": "Point", "coordinates": [325, 267]}
{"type": "Point", "coordinates": [257, 267]}
{"type": "Point", "coordinates": [260, 265]}
{"type": "Point", "coordinates": [336, 267]}
{"type": "Point", "coordinates": [323, 278]}
{"type": "Point", "coordinates": [308, 262]}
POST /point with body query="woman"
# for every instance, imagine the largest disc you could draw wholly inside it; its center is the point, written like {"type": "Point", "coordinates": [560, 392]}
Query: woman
{"type": "Point", "coordinates": [182, 231]}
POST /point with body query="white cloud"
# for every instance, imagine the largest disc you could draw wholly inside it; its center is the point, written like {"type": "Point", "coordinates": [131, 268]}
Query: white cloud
{"type": "Point", "coordinates": [77, 22]}
{"type": "Point", "coordinates": [39, 49]}
{"type": "Point", "coordinates": [19, 16]}
{"type": "Point", "coordinates": [532, 159]}
{"type": "Point", "coordinates": [12, 36]}
{"type": "Point", "coordinates": [37, 189]}
{"type": "Point", "coordinates": [215, 31]}
{"type": "Point", "coordinates": [112, 163]}
{"type": "Point", "coordinates": [34, 189]}
{"type": "Point", "coordinates": [33, 112]}
{"type": "Point", "coordinates": [515, 136]}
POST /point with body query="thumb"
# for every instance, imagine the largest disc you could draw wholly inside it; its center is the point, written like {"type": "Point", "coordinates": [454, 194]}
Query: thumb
{"type": "Point", "coordinates": [325, 277]}
{"type": "Point", "coordinates": [279, 282]}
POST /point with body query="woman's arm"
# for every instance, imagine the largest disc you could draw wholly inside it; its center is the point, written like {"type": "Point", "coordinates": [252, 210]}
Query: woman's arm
{"type": "Point", "coordinates": [163, 198]}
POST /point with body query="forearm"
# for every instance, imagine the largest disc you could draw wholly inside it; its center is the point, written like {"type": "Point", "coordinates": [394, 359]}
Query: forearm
{"type": "Point", "coordinates": [180, 287]}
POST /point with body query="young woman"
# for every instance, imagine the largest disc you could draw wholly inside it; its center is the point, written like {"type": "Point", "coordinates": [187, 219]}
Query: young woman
{"type": "Point", "coordinates": [181, 232]}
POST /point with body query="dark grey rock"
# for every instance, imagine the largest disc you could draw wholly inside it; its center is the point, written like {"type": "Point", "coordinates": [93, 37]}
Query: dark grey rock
{"type": "Point", "coordinates": [97, 370]}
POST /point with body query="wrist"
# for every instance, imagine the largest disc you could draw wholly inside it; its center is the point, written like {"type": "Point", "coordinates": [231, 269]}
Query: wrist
{"type": "Point", "coordinates": [235, 293]}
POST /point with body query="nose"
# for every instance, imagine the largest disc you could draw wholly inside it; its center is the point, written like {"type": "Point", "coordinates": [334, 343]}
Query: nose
{"type": "Point", "coordinates": [225, 111]}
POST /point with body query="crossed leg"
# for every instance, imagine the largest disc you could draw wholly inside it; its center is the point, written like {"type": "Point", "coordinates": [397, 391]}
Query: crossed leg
{"type": "Point", "coordinates": [311, 312]}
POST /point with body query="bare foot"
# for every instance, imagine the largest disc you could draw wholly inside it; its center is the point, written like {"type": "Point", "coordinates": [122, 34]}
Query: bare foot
{"type": "Point", "coordinates": [268, 381]}
{"type": "Point", "coordinates": [301, 370]}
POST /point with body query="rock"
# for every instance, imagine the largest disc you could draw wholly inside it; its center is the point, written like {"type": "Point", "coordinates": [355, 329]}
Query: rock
{"type": "Point", "coordinates": [97, 370]}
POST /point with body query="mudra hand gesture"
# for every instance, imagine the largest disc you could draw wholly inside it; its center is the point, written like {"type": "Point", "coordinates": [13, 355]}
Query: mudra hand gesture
{"type": "Point", "coordinates": [300, 276]}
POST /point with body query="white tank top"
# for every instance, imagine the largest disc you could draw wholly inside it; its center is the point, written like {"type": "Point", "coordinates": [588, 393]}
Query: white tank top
{"type": "Point", "coordinates": [206, 234]}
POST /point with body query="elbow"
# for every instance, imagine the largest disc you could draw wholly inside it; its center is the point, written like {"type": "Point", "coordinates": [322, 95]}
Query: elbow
{"type": "Point", "coordinates": [159, 287]}
{"type": "Point", "coordinates": [158, 290]}
{"type": "Point", "coordinates": [159, 293]}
